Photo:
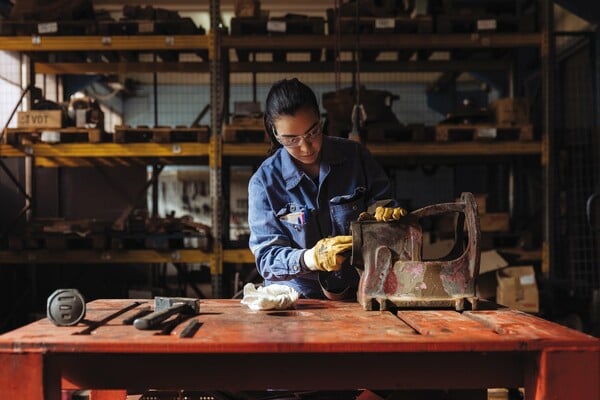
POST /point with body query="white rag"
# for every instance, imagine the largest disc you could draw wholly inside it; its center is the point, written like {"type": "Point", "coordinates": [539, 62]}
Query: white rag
{"type": "Point", "coordinates": [272, 297]}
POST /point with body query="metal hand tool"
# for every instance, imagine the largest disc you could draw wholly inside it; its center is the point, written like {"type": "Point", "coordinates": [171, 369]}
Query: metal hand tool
{"type": "Point", "coordinates": [142, 312]}
{"type": "Point", "coordinates": [164, 307]}
{"type": "Point", "coordinates": [65, 307]}
{"type": "Point", "coordinates": [190, 329]}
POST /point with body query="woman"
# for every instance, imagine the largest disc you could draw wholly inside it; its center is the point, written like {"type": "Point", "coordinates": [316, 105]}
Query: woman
{"type": "Point", "coordinates": [304, 196]}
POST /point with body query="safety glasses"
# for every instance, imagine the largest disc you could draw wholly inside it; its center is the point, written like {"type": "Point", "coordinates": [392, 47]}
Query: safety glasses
{"type": "Point", "coordinates": [294, 140]}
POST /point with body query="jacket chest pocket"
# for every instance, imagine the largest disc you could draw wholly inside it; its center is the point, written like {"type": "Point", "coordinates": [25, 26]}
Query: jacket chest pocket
{"type": "Point", "coordinates": [345, 209]}
{"type": "Point", "coordinates": [299, 223]}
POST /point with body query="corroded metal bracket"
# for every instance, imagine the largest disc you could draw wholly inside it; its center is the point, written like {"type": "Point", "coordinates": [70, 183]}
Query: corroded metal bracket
{"type": "Point", "coordinates": [395, 275]}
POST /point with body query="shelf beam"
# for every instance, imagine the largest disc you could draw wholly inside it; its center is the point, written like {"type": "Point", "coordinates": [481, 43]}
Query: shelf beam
{"type": "Point", "coordinates": [238, 256]}
{"type": "Point", "coordinates": [7, 150]}
{"type": "Point", "coordinates": [119, 67]}
{"type": "Point", "coordinates": [379, 66]}
{"type": "Point", "coordinates": [392, 149]}
{"type": "Point", "coordinates": [245, 149]}
{"type": "Point", "coordinates": [103, 256]}
{"type": "Point", "coordinates": [79, 154]}
{"type": "Point", "coordinates": [268, 67]}
{"type": "Point", "coordinates": [455, 149]}
{"type": "Point", "coordinates": [285, 42]}
{"type": "Point", "coordinates": [386, 42]}
{"type": "Point", "coordinates": [95, 150]}
{"type": "Point", "coordinates": [103, 43]}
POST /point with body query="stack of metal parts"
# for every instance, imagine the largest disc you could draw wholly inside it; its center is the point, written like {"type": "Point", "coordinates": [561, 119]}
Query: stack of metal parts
{"type": "Point", "coordinates": [141, 232]}
{"type": "Point", "coordinates": [380, 122]}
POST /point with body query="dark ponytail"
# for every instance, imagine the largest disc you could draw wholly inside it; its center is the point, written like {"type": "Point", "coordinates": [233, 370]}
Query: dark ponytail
{"type": "Point", "coordinates": [287, 97]}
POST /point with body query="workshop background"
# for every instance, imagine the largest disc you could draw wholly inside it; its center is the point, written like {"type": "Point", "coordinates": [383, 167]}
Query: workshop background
{"type": "Point", "coordinates": [130, 130]}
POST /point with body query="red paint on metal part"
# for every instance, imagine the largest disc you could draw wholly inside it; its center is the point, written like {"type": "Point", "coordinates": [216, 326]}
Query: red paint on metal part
{"type": "Point", "coordinates": [390, 286]}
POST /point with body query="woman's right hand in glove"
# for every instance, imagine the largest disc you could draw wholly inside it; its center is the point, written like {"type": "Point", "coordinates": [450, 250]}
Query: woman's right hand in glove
{"type": "Point", "coordinates": [327, 254]}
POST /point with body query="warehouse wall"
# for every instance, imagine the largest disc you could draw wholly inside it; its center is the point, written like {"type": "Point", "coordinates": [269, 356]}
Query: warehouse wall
{"type": "Point", "coordinates": [180, 103]}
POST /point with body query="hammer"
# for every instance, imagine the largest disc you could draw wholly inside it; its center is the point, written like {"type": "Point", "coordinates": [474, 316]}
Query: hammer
{"type": "Point", "coordinates": [164, 307]}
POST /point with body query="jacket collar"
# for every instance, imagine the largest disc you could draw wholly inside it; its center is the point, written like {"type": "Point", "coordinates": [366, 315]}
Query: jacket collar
{"type": "Point", "coordinates": [293, 175]}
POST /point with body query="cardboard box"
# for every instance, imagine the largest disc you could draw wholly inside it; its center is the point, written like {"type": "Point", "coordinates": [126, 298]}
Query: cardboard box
{"type": "Point", "coordinates": [517, 288]}
{"type": "Point", "coordinates": [40, 119]}
{"type": "Point", "coordinates": [480, 200]}
{"type": "Point", "coordinates": [511, 111]}
{"type": "Point", "coordinates": [494, 222]}
{"type": "Point", "coordinates": [488, 222]}
{"type": "Point", "coordinates": [489, 263]}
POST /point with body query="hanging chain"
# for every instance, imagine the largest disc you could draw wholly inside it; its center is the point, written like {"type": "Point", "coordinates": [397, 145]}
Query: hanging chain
{"type": "Point", "coordinates": [337, 50]}
{"type": "Point", "coordinates": [357, 54]}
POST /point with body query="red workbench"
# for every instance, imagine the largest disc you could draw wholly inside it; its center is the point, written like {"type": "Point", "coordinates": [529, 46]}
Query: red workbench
{"type": "Point", "coordinates": [319, 345]}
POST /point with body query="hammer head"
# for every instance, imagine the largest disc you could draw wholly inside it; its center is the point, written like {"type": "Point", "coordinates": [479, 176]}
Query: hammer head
{"type": "Point", "coordinates": [163, 303]}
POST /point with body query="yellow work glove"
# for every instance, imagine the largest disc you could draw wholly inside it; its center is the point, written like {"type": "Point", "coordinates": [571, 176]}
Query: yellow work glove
{"type": "Point", "coordinates": [326, 255]}
{"type": "Point", "coordinates": [383, 214]}
{"type": "Point", "coordinates": [389, 213]}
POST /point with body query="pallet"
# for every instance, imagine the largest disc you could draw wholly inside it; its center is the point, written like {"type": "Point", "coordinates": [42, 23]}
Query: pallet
{"type": "Point", "coordinates": [28, 136]}
{"type": "Point", "coordinates": [456, 133]}
{"type": "Point", "coordinates": [244, 26]}
{"type": "Point", "coordinates": [144, 134]}
{"type": "Point", "coordinates": [190, 134]}
{"type": "Point", "coordinates": [251, 130]}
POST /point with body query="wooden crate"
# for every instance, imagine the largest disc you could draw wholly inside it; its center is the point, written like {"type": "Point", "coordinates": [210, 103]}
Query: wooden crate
{"type": "Point", "coordinates": [246, 130]}
{"type": "Point", "coordinates": [511, 111]}
{"type": "Point", "coordinates": [39, 119]}
{"type": "Point", "coordinates": [180, 134]}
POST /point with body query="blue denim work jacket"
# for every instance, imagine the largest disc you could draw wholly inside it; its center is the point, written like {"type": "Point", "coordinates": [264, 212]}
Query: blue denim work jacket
{"type": "Point", "coordinates": [288, 212]}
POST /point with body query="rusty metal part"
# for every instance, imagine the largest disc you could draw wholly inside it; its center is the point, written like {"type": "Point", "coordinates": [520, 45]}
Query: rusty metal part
{"type": "Point", "coordinates": [395, 275]}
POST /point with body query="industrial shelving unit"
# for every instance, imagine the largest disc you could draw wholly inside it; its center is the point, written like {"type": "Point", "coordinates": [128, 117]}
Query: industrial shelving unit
{"type": "Point", "coordinates": [217, 153]}
{"type": "Point", "coordinates": [389, 152]}
{"type": "Point", "coordinates": [109, 154]}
